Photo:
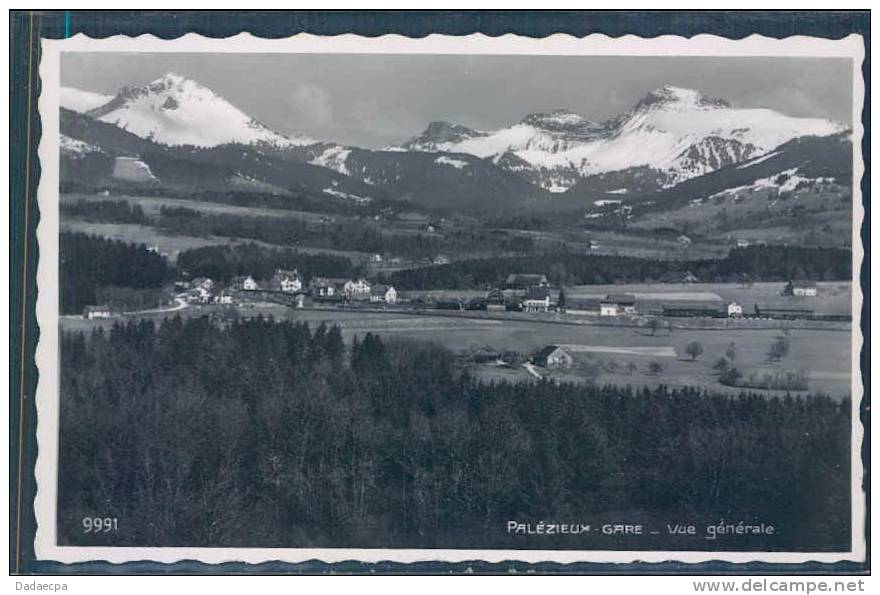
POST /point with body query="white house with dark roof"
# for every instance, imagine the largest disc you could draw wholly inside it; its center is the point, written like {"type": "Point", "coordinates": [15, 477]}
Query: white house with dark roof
{"type": "Point", "coordinates": [537, 299]}
{"type": "Point", "coordinates": [287, 281]}
{"type": "Point", "coordinates": [245, 283]}
{"type": "Point", "coordinates": [357, 289]}
{"type": "Point", "coordinates": [553, 357]}
{"type": "Point", "coordinates": [381, 293]}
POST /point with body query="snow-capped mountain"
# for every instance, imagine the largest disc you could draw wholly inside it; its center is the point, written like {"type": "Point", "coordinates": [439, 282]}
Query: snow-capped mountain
{"type": "Point", "coordinates": [682, 133]}
{"type": "Point", "coordinates": [173, 110]}
{"type": "Point", "coordinates": [82, 101]}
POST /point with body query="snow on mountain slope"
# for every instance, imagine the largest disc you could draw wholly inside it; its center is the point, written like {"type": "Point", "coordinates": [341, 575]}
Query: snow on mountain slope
{"type": "Point", "coordinates": [82, 101]}
{"type": "Point", "coordinates": [334, 157]}
{"type": "Point", "coordinates": [173, 110]}
{"type": "Point", "coordinates": [680, 132]}
{"type": "Point", "coordinates": [75, 148]}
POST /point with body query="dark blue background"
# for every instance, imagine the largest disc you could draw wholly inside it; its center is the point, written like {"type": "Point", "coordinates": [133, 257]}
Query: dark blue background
{"type": "Point", "coordinates": [27, 27]}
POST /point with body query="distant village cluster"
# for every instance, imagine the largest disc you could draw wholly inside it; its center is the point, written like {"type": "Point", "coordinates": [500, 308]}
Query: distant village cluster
{"type": "Point", "coordinates": [522, 292]}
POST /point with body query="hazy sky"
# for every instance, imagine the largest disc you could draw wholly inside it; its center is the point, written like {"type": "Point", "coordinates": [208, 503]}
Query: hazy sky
{"type": "Point", "coordinates": [374, 100]}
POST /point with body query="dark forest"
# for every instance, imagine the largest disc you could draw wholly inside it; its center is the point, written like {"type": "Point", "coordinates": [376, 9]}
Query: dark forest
{"type": "Point", "coordinates": [265, 433]}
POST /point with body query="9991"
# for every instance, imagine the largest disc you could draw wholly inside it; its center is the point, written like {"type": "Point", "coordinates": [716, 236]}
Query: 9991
{"type": "Point", "coordinates": [99, 524]}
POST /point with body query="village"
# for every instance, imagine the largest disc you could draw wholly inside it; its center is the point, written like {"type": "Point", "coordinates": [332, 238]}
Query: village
{"type": "Point", "coordinates": [481, 327]}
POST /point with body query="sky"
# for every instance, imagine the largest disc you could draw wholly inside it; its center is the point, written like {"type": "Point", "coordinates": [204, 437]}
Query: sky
{"type": "Point", "coordinates": [379, 100]}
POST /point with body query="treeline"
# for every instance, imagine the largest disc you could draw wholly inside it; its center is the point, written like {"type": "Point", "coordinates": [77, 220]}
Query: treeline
{"type": "Point", "coordinates": [221, 263]}
{"type": "Point", "coordinates": [275, 435]}
{"type": "Point", "coordinates": [346, 235]}
{"type": "Point", "coordinates": [89, 263]}
{"type": "Point", "coordinates": [753, 263]}
{"type": "Point", "coordinates": [104, 211]}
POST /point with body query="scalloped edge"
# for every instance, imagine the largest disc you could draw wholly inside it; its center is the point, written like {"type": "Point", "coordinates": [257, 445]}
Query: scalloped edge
{"type": "Point", "coordinates": [597, 44]}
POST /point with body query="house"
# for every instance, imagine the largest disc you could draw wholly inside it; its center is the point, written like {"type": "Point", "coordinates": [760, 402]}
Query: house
{"type": "Point", "coordinates": [358, 289]}
{"type": "Point", "coordinates": [537, 299]}
{"type": "Point", "coordinates": [375, 258]}
{"type": "Point", "coordinates": [801, 289]}
{"type": "Point", "coordinates": [734, 310]}
{"type": "Point", "coordinates": [287, 281]}
{"type": "Point", "coordinates": [553, 357]}
{"type": "Point", "coordinates": [525, 280]}
{"type": "Point", "coordinates": [198, 295]}
{"type": "Point", "coordinates": [607, 308]}
{"type": "Point", "coordinates": [684, 240]}
{"type": "Point", "coordinates": [204, 282]}
{"type": "Point", "coordinates": [380, 293]}
{"type": "Point", "coordinates": [742, 243]}
{"type": "Point", "coordinates": [327, 286]}
{"type": "Point", "coordinates": [244, 283]}
{"type": "Point", "coordinates": [615, 304]}
{"type": "Point", "coordinates": [93, 312]}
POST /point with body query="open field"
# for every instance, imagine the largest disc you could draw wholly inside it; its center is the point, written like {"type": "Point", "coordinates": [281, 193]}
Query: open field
{"type": "Point", "coordinates": [834, 297]}
{"type": "Point", "coordinates": [172, 244]}
{"type": "Point", "coordinates": [152, 205]}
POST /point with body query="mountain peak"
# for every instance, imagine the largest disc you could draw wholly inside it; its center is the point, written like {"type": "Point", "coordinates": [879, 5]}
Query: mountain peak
{"type": "Point", "coordinates": [439, 132]}
{"type": "Point", "coordinates": [560, 120]}
{"type": "Point", "coordinates": [175, 110]}
{"type": "Point", "coordinates": [672, 96]}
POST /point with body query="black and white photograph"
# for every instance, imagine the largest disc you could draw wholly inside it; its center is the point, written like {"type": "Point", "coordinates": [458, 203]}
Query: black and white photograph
{"type": "Point", "coordinates": [431, 297]}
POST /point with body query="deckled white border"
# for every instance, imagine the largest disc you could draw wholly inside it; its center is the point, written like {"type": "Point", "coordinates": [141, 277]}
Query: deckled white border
{"type": "Point", "coordinates": [47, 394]}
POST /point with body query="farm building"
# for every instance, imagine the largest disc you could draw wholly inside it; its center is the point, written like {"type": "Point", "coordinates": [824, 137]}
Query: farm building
{"type": "Point", "coordinates": [734, 310]}
{"type": "Point", "coordinates": [582, 306]}
{"type": "Point", "coordinates": [616, 304]}
{"type": "Point", "coordinates": [92, 312]}
{"type": "Point", "coordinates": [537, 299]}
{"type": "Point", "coordinates": [357, 289]}
{"type": "Point", "coordinates": [800, 289]}
{"type": "Point", "coordinates": [524, 281]}
{"type": "Point", "coordinates": [553, 357]}
{"type": "Point", "coordinates": [380, 293]}
{"type": "Point", "coordinates": [245, 283]}
{"type": "Point", "coordinates": [287, 281]}
{"type": "Point", "coordinates": [692, 311]}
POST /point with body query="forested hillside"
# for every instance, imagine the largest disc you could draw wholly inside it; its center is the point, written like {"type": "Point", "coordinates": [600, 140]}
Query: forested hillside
{"type": "Point", "coordinates": [755, 263]}
{"type": "Point", "coordinates": [89, 263]}
{"type": "Point", "coordinates": [273, 434]}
